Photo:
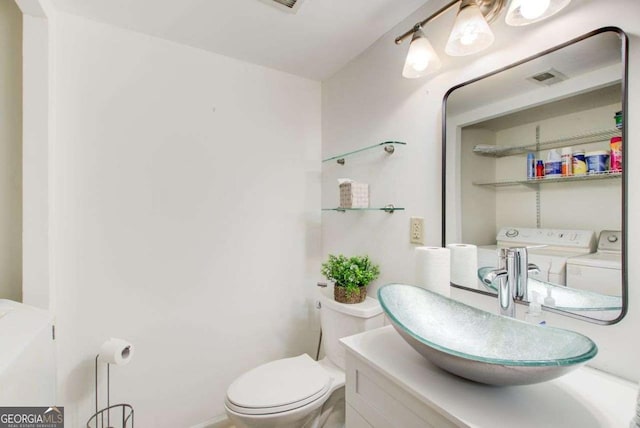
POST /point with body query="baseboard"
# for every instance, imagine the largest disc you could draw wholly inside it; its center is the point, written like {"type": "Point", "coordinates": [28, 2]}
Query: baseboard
{"type": "Point", "coordinates": [218, 422]}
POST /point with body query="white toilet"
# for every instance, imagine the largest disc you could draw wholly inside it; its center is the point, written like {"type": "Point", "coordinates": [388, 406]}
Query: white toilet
{"type": "Point", "coordinates": [301, 392]}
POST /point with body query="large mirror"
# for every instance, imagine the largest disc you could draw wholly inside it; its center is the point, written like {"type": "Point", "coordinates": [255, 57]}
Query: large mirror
{"type": "Point", "coordinates": [534, 156]}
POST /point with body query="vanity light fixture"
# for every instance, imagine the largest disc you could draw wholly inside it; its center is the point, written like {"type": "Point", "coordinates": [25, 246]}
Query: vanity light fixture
{"type": "Point", "coordinates": [471, 32]}
{"type": "Point", "coordinates": [422, 59]}
{"type": "Point", "coordinates": [525, 12]}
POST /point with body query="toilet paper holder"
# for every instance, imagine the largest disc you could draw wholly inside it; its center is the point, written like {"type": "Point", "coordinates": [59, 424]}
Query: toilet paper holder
{"type": "Point", "coordinates": [123, 412]}
{"type": "Point", "coordinates": [97, 420]}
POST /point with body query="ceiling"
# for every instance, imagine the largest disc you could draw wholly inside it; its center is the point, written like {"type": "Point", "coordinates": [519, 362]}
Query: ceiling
{"type": "Point", "coordinates": [317, 41]}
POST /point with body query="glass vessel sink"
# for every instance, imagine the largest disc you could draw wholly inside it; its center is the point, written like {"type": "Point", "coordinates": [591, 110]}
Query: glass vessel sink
{"type": "Point", "coordinates": [479, 345]}
{"type": "Point", "coordinates": [566, 298]}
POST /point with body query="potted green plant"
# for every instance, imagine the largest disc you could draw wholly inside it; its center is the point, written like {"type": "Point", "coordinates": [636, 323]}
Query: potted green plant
{"type": "Point", "coordinates": [351, 276]}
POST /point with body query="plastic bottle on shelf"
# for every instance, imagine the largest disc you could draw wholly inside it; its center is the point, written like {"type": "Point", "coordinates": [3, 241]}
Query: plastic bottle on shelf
{"type": "Point", "coordinates": [597, 161]}
{"type": "Point", "coordinates": [567, 162]}
{"type": "Point", "coordinates": [540, 168]}
{"type": "Point", "coordinates": [553, 167]}
{"type": "Point", "coordinates": [618, 118]}
{"type": "Point", "coordinates": [579, 163]}
{"type": "Point", "coordinates": [531, 166]}
{"type": "Point", "coordinates": [615, 160]}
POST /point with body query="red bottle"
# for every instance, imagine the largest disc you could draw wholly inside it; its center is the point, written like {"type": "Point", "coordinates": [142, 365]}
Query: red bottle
{"type": "Point", "coordinates": [540, 169]}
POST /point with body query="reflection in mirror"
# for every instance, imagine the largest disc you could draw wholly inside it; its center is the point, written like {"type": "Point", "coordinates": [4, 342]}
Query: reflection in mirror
{"type": "Point", "coordinates": [533, 158]}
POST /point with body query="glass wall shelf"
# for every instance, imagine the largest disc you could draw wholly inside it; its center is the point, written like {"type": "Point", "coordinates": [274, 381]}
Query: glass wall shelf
{"type": "Point", "coordinates": [576, 140]}
{"type": "Point", "coordinates": [546, 180]}
{"type": "Point", "coordinates": [389, 147]}
{"type": "Point", "coordinates": [389, 209]}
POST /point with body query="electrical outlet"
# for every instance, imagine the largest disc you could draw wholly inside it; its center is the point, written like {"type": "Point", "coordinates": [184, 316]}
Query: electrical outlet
{"type": "Point", "coordinates": [416, 229]}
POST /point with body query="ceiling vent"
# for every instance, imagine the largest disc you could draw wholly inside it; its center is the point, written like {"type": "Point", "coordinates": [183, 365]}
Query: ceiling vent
{"type": "Point", "coordinates": [290, 6]}
{"type": "Point", "coordinates": [548, 78]}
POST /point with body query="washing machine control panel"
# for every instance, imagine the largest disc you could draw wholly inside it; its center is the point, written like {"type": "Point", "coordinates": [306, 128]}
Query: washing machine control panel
{"type": "Point", "coordinates": [512, 233]}
{"type": "Point", "coordinates": [556, 238]}
{"type": "Point", "coordinates": [610, 240]}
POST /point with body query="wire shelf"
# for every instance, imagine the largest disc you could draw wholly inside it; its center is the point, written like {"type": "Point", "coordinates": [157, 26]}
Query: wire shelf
{"type": "Point", "coordinates": [548, 180]}
{"type": "Point", "coordinates": [576, 140]}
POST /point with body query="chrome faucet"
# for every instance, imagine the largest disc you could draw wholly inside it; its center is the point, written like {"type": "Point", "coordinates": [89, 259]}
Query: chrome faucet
{"type": "Point", "coordinates": [513, 276]}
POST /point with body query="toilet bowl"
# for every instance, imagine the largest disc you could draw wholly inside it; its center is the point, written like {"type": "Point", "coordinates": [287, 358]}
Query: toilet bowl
{"type": "Point", "coordinates": [300, 392]}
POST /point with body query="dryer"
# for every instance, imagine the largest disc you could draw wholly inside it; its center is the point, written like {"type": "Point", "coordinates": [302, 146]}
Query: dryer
{"type": "Point", "coordinates": [601, 271]}
{"type": "Point", "coordinates": [548, 248]}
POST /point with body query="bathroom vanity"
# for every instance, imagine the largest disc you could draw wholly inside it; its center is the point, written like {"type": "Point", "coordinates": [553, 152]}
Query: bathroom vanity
{"type": "Point", "coordinates": [391, 385]}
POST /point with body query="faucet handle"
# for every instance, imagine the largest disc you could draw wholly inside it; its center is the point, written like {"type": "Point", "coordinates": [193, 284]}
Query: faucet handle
{"type": "Point", "coordinates": [494, 274]}
{"type": "Point", "coordinates": [533, 268]}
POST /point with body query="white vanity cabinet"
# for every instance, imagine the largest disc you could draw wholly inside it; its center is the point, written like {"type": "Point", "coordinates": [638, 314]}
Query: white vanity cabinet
{"type": "Point", "coordinates": [374, 401]}
{"type": "Point", "coordinates": [391, 385]}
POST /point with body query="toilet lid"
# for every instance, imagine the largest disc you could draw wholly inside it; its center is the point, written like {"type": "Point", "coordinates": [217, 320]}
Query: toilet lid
{"type": "Point", "coordinates": [279, 386]}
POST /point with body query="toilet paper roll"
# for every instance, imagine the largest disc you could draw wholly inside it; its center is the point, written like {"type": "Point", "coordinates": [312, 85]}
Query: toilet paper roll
{"type": "Point", "coordinates": [464, 265]}
{"type": "Point", "coordinates": [116, 351]}
{"type": "Point", "coordinates": [433, 269]}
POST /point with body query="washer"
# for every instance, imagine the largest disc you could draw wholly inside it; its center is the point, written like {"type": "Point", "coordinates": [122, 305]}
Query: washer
{"type": "Point", "coordinates": [548, 248]}
{"type": "Point", "coordinates": [601, 271]}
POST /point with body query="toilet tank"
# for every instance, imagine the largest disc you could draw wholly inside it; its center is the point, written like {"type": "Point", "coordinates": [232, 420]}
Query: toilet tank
{"type": "Point", "coordinates": [340, 320]}
{"type": "Point", "coordinates": [27, 356]}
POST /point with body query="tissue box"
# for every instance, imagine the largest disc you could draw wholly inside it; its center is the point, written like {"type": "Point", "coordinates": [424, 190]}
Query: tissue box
{"type": "Point", "coordinates": [354, 195]}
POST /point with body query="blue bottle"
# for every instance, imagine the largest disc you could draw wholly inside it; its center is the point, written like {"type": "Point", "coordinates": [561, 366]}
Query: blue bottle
{"type": "Point", "coordinates": [531, 165]}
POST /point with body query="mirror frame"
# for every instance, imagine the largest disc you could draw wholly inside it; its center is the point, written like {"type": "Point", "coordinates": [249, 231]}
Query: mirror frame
{"type": "Point", "coordinates": [624, 41]}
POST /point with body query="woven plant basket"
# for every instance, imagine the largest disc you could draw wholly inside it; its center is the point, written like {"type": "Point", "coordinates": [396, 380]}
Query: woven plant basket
{"type": "Point", "coordinates": [340, 295]}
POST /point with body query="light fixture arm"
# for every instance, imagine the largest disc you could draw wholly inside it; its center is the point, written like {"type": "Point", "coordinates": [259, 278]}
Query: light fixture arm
{"type": "Point", "coordinates": [490, 10]}
{"type": "Point", "coordinates": [422, 23]}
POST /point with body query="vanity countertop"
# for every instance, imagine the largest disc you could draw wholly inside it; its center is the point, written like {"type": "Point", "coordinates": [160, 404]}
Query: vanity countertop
{"type": "Point", "coordinates": [585, 398]}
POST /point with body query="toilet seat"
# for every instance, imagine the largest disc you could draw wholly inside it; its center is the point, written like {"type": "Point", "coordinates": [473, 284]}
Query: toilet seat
{"type": "Point", "coordinates": [279, 386]}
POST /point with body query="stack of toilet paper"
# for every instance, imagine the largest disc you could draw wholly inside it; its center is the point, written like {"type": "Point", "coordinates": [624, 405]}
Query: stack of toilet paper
{"type": "Point", "coordinates": [437, 268]}
{"type": "Point", "coordinates": [433, 269]}
{"type": "Point", "coordinates": [464, 265]}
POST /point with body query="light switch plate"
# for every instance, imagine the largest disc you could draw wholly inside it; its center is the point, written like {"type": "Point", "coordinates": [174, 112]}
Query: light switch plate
{"type": "Point", "coordinates": [416, 230]}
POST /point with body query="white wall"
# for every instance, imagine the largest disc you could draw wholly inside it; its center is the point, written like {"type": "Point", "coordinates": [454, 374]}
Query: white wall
{"type": "Point", "coordinates": [185, 219]}
{"type": "Point", "coordinates": [369, 100]}
{"type": "Point", "coordinates": [10, 151]}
